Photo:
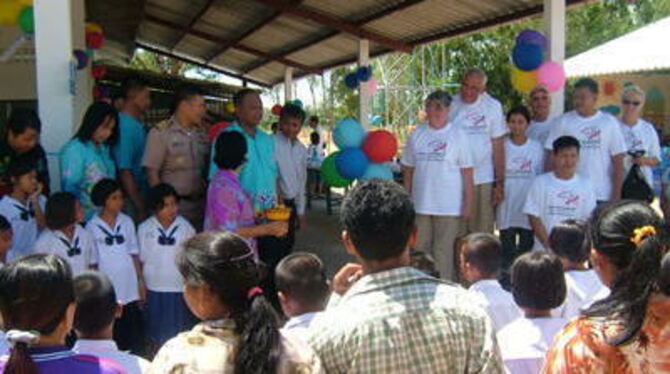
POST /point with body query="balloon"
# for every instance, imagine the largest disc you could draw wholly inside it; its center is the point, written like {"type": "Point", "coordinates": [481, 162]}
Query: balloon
{"type": "Point", "coordinates": [551, 75]}
{"type": "Point", "coordinates": [351, 163]}
{"type": "Point", "coordinates": [27, 20]}
{"type": "Point", "coordinates": [372, 86]}
{"type": "Point", "coordinates": [230, 107]}
{"type": "Point", "coordinates": [82, 58]}
{"type": "Point", "coordinates": [90, 52]}
{"type": "Point", "coordinates": [378, 171]}
{"type": "Point", "coordinates": [532, 37]}
{"type": "Point", "coordinates": [94, 40]}
{"type": "Point", "coordinates": [527, 57]}
{"type": "Point", "coordinates": [364, 73]}
{"type": "Point", "coordinates": [330, 174]}
{"type": "Point", "coordinates": [523, 81]}
{"type": "Point", "coordinates": [376, 120]}
{"type": "Point", "coordinates": [276, 109]}
{"type": "Point", "coordinates": [92, 27]}
{"type": "Point", "coordinates": [348, 133]}
{"type": "Point", "coordinates": [609, 87]}
{"type": "Point", "coordinates": [298, 103]}
{"type": "Point", "coordinates": [380, 146]}
{"type": "Point", "coordinates": [99, 72]}
{"type": "Point", "coordinates": [351, 80]}
{"type": "Point", "coordinates": [9, 12]}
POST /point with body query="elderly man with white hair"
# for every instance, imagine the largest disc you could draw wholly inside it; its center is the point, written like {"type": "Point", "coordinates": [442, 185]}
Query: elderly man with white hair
{"type": "Point", "coordinates": [540, 107]}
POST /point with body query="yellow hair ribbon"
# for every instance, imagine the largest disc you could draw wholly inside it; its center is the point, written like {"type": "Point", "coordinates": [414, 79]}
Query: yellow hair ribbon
{"type": "Point", "coordinates": [641, 233]}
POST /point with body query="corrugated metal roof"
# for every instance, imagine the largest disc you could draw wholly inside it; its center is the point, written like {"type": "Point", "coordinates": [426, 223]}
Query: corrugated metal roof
{"type": "Point", "coordinates": [257, 39]}
{"type": "Point", "coordinates": [641, 50]}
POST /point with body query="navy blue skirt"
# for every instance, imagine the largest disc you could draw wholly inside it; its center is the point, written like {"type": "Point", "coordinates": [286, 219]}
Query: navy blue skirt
{"type": "Point", "coordinates": [167, 316]}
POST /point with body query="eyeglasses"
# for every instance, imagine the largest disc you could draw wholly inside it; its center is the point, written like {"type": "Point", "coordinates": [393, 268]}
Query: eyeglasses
{"type": "Point", "coordinates": [633, 103]}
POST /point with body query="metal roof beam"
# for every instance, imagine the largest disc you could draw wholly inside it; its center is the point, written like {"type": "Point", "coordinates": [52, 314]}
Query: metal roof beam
{"type": "Point", "coordinates": [194, 20]}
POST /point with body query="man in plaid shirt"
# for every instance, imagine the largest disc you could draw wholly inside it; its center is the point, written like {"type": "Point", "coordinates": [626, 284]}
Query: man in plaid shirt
{"type": "Point", "coordinates": [396, 319]}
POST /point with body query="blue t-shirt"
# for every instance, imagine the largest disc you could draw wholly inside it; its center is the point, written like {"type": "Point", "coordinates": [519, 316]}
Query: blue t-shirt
{"type": "Point", "coordinates": [258, 176]}
{"type": "Point", "coordinates": [61, 360]}
{"type": "Point", "coordinates": [130, 148]}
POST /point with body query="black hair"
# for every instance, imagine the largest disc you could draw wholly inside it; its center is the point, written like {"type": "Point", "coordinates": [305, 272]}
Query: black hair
{"type": "Point", "coordinates": [483, 251]}
{"type": "Point", "coordinates": [22, 119]}
{"type": "Point", "coordinates": [18, 168]}
{"type": "Point", "coordinates": [96, 303]}
{"type": "Point", "coordinates": [96, 114]}
{"type": "Point", "coordinates": [60, 210]}
{"type": "Point", "coordinates": [565, 141]}
{"type": "Point", "coordinates": [4, 224]}
{"type": "Point", "coordinates": [639, 263]}
{"type": "Point", "coordinates": [538, 281]}
{"type": "Point", "coordinates": [157, 195]}
{"type": "Point", "coordinates": [225, 264]}
{"type": "Point", "coordinates": [239, 96]}
{"type": "Point", "coordinates": [570, 239]}
{"type": "Point", "coordinates": [292, 111]}
{"type": "Point", "coordinates": [379, 217]}
{"type": "Point", "coordinates": [102, 190]}
{"type": "Point", "coordinates": [132, 85]}
{"type": "Point", "coordinates": [315, 138]}
{"type": "Point", "coordinates": [521, 110]}
{"type": "Point", "coordinates": [587, 83]}
{"type": "Point", "coordinates": [302, 276]}
{"type": "Point", "coordinates": [184, 93]}
{"type": "Point", "coordinates": [230, 150]}
{"type": "Point", "coordinates": [313, 118]}
{"type": "Point", "coordinates": [35, 292]}
{"type": "Point", "coordinates": [424, 262]}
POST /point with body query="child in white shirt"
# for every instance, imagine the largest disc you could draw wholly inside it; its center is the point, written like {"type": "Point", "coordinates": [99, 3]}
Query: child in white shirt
{"type": "Point", "coordinates": [569, 240]}
{"type": "Point", "coordinates": [23, 208]}
{"type": "Point", "coordinates": [64, 236]}
{"type": "Point", "coordinates": [97, 308]}
{"type": "Point", "coordinates": [303, 291]}
{"type": "Point", "coordinates": [559, 195]}
{"type": "Point", "coordinates": [480, 260]}
{"type": "Point", "coordinates": [116, 240]}
{"type": "Point", "coordinates": [161, 239]}
{"type": "Point", "coordinates": [538, 286]}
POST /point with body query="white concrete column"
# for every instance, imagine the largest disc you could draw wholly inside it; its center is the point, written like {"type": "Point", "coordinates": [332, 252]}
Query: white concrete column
{"type": "Point", "coordinates": [554, 21]}
{"type": "Point", "coordinates": [364, 95]}
{"type": "Point", "coordinates": [288, 84]}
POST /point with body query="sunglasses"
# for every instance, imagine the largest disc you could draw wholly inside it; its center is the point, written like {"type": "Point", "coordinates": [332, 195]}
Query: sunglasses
{"type": "Point", "coordinates": [633, 103]}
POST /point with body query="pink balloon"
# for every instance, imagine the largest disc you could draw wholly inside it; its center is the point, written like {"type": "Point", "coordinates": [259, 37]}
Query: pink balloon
{"type": "Point", "coordinates": [551, 75]}
{"type": "Point", "coordinates": [372, 86]}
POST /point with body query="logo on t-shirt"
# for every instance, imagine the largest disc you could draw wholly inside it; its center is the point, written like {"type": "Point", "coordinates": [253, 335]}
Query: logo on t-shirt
{"type": "Point", "coordinates": [520, 167]}
{"type": "Point", "coordinates": [591, 137]}
{"type": "Point", "coordinates": [565, 203]}
{"type": "Point", "coordinates": [475, 123]}
{"type": "Point", "coordinates": [633, 142]}
{"type": "Point", "coordinates": [435, 150]}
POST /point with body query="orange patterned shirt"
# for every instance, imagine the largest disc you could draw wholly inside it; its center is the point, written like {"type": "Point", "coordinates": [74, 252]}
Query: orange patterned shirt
{"type": "Point", "coordinates": [582, 345]}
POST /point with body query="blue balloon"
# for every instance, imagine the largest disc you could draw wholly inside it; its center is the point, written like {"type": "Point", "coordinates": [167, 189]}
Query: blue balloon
{"type": "Point", "coordinates": [376, 120]}
{"type": "Point", "coordinates": [378, 171]}
{"type": "Point", "coordinates": [351, 163]}
{"type": "Point", "coordinates": [529, 36]}
{"type": "Point", "coordinates": [364, 73]}
{"type": "Point", "coordinates": [527, 57]}
{"type": "Point", "coordinates": [348, 133]}
{"type": "Point", "coordinates": [298, 103]}
{"type": "Point", "coordinates": [351, 80]}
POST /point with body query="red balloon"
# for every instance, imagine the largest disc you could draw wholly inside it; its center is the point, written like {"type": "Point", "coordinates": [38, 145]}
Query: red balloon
{"type": "Point", "coordinates": [94, 40]}
{"type": "Point", "coordinates": [380, 146]}
{"type": "Point", "coordinates": [276, 109]}
{"type": "Point", "coordinates": [99, 72]}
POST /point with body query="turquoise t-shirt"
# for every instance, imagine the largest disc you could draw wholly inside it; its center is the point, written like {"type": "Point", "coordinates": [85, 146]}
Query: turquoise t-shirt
{"type": "Point", "coordinates": [130, 148]}
{"type": "Point", "coordinates": [258, 176]}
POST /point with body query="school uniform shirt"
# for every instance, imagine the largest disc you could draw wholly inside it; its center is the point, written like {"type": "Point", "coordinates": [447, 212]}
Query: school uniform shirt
{"type": "Point", "coordinates": [291, 158]}
{"type": "Point", "coordinates": [130, 147]}
{"type": "Point", "coordinates": [642, 136]}
{"type": "Point", "coordinates": [61, 360]}
{"type": "Point", "coordinates": [524, 342]}
{"type": "Point", "coordinates": [583, 289]}
{"type": "Point", "coordinates": [481, 122]}
{"type": "Point", "coordinates": [80, 252]}
{"type": "Point", "coordinates": [554, 200]}
{"type": "Point", "coordinates": [600, 138]}
{"type": "Point", "coordinates": [498, 303]}
{"type": "Point", "coordinates": [437, 156]}
{"type": "Point", "coordinates": [35, 156]}
{"type": "Point", "coordinates": [298, 326]}
{"type": "Point", "coordinates": [116, 245]}
{"type": "Point", "coordinates": [82, 165]}
{"type": "Point", "coordinates": [24, 227]}
{"type": "Point", "coordinates": [539, 130]}
{"type": "Point", "coordinates": [522, 164]}
{"type": "Point", "coordinates": [107, 349]}
{"type": "Point", "coordinates": [158, 250]}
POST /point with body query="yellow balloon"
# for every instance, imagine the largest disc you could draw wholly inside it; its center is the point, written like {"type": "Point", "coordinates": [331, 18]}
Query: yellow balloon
{"type": "Point", "coordinates": [93, 27]}
{"type": "Point", "coordinates": [230, 108]}
{"type": "Point", "coordinates": [9, 12]}
{"type": "Point", "coordinates": [523, 81]}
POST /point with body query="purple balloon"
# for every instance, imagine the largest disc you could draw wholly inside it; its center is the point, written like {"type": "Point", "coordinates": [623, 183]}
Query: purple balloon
{"type": "Point", "coordinates": [532, 37]}
{"type": "Point", "coordinates": [82, 58]}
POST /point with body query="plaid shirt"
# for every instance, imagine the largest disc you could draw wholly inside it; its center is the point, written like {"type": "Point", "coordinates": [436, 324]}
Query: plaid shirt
{"type": "Point", "coordinates": [404, 321]}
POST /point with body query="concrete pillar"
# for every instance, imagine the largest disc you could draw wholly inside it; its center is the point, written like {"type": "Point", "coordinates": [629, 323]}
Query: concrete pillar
{"type": "Point", "coordinates": [554, 21]}
{"type": "Point", "coordinates": [364, 95]}
{"type": "Point", "coordinates": [288, 84]}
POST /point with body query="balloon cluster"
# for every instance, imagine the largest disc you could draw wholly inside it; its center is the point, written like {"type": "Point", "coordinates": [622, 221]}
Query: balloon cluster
{"type": "Point", "coordinates": [362, 75]}
{"type": "Point", "coordinates": [530, 69]}
{"type": "Point", "coordinates": [362, 155]}
{"type": "Point", "coordinates": [18, 12]}
{"type": "Point", "coordinates": [276, 109]}
{"type": "Point", "coordinates": [95, 38]}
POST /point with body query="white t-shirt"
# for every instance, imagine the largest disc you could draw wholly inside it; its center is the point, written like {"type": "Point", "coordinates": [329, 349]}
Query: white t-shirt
{"type": "Point", "coordinates": [158, 250]}
{"type": "Point", "coordinates": [107, 349]}
{"type": "Point", "coordinates": [498, 303]}
{"type": "Point", "coordinates": [600, 139]}
{"type": "Point", "coordinates": [525, 341]}
{"type": "Point", "coordinates": [583, 289]}
{"type": "Point", "coordinates": [80, 252]}
{"type": "Point", "coordinates": [539, 131]}
{"type": "Point", "coordinates": [115, 255]}
{"type": "Point", "coordinates": [437, 157]}
{"type": "Point", "coordinates": [481, 121]}
{"type": "Point", "coordinates": [522, 164]}
{"type": "Point", "coordinates": [554, 200]}
{"type": "Point", "coordinates": [298, 326]}
{"type": "Point", "coordinates": [642, 136]}
{"type": "Point", "coordinates": [24, 227]}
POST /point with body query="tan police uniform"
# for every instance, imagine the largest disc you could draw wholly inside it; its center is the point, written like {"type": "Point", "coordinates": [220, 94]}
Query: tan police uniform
{"type": "Point", "coordinates": [181, 156]}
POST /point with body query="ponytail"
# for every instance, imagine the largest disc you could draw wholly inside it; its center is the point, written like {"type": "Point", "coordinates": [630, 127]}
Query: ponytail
{"type": "Point", "coordinates": [19, 361]}
{"type": "Point", "coordinates": [259, 346]}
